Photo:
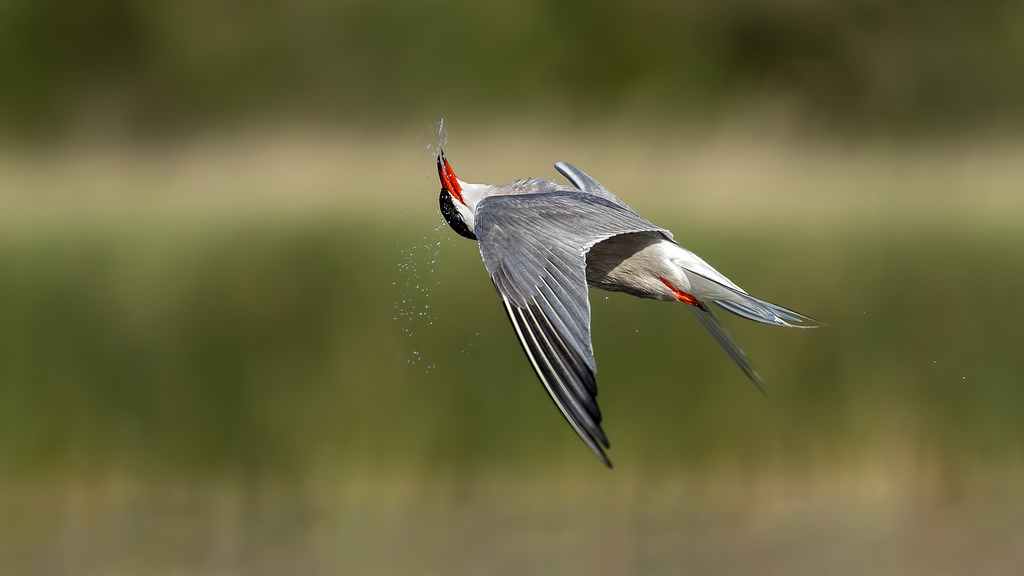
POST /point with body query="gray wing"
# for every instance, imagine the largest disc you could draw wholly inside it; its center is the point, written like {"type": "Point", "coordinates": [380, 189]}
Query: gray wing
{"type": "Point", "coordinates": [585, 183]}
{"type": "Point", "coordinates": [534, 248]}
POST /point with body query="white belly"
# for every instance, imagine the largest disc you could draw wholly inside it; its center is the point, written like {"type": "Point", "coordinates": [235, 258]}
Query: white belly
{"type": "Point", "coordinates": [639, 264]}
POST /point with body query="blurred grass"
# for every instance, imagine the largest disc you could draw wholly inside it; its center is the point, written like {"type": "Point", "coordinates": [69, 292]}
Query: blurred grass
{"type": "Point", "coordinates": [248, 358]}
{"type": "Point", "coordinates": [271, 348]}
{"type": "Point", "coordinates": [855, 66]}
{"type": "Point", "coordinates": [233, 342]}
{"type": "Point", "coordinates": [277, 347]}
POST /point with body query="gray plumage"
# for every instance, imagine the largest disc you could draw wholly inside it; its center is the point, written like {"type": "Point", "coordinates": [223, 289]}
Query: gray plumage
{"type": "Point", "coordinates": [543, 243]}
{"type": "Point", "coordinates": [538, 266]}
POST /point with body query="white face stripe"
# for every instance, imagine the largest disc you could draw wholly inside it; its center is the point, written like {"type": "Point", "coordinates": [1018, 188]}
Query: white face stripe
{"type": "Point", "coordinates": [472, 194]}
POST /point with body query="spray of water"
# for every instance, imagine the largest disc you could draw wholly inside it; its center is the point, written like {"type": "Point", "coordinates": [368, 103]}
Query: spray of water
{"type": "Point", "coordinates": [434, 148]}
{"type": "Point", "coordinates": [417, 269]}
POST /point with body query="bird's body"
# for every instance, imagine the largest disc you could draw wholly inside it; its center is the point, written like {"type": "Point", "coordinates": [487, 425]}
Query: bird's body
{"type": "Point", "coordinates": [543, 243]}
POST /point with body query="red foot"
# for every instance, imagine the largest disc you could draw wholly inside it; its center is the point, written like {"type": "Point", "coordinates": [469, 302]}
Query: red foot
{"type": "Point", "coordinates": [679, 294]}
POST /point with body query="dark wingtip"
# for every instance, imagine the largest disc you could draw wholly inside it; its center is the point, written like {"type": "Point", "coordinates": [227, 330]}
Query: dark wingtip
{"type": "Point", "coordinates": [599, 451]}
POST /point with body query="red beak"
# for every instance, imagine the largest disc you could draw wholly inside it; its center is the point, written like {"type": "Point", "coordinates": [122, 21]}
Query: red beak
{"type": "Point", "coordinates": [448, 179]}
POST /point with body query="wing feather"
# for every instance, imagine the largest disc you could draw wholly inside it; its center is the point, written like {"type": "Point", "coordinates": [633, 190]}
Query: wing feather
{"type": "Point", "coordinates": [573, 380]}
{"type": "Point", "coordinates": [544, 362]}
{"type": "Point", "coordinates": [534, 248]}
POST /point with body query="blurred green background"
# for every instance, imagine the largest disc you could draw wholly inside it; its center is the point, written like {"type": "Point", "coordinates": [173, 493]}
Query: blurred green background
{"type": "Point", "coordinates": [236, 339]}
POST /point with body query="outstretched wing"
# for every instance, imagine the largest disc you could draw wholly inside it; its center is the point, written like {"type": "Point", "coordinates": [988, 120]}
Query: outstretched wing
{"type": "Point", "coordinates": [586, 183]}
{"type": "Point", "coordinates": [534, 248]}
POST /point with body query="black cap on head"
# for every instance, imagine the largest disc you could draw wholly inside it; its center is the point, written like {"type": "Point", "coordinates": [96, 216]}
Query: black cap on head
{"type": "Point", "coordinates": [452, 216]}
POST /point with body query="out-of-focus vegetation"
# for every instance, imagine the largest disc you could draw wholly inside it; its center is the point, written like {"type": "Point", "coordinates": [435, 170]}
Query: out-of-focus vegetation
{"type": "Point", "coordinates": [269, 310]}
{"type": "Point", "coordinates": [852, 65]}
{"type": "Point", "coordinates": [212, 382]}
{"type": "Point", "coordinates": [276, 350]}
{"type": "Point", "coordinates": [234, 340]}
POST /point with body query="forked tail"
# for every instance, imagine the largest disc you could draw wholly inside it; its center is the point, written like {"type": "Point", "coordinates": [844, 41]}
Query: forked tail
{"type": "Point", "coordinates": [710, 321]}
{"type": "Point", "coordinates": [746, 306]}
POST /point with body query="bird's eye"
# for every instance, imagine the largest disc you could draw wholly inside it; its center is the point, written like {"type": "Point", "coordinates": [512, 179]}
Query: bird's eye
{"type": "Point", "coordinates": [452, 216]}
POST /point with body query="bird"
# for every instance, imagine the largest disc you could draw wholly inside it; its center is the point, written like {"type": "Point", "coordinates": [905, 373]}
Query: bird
{"type": "Point", "coordinates": [544, 243]}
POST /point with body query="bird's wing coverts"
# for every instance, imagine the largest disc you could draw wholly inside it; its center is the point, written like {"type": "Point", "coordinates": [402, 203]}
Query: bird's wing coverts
{"type": "Point", "coordinates": [534, 248]}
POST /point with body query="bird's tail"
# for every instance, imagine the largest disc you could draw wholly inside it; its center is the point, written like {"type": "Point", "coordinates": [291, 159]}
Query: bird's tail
{"type": "Point", "coordinates": [746, 306]}
{"type": "Point", "coordinates": [731, 298]}
{"type": "Point", "coordinates": [710, 321]}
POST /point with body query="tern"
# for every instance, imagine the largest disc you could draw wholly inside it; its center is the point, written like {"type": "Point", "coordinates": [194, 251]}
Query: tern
{"type": "Point", "coordinates": [543, 243]}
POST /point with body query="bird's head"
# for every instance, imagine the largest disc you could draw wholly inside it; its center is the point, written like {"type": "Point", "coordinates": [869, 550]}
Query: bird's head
{"type": "Point", "coordinates": [458, 199]}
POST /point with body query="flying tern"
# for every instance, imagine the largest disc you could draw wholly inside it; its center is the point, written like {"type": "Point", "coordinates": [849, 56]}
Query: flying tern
{"type": "Point", "coordinates": [543, 243]}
